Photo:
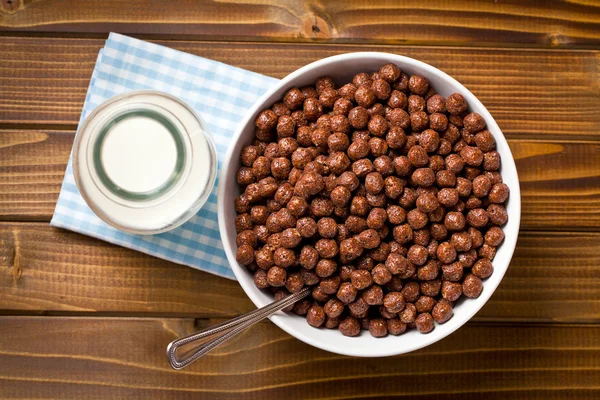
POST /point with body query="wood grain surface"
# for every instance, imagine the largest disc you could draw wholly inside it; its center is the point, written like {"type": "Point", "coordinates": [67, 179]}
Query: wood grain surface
{"type": "Point", "coordinates": [558, 23]}
{"type": "Point", "coordinates": [560, 180]}
{"type": "Point", "coordinates": [91, 358]}
{"type": "Point", "coordinates": [552, 277]}
{"type": "Point", "coordinates": [84, 319]}
{"type": "Point", "coordinates": [531, 93]}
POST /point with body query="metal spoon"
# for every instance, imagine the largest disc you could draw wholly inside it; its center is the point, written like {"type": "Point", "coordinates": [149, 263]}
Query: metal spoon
{"type": "Point", "coordinates": [205, 340]}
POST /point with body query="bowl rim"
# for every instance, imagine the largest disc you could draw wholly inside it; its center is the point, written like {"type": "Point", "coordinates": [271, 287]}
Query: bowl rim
{"type": "Point", "coordinates": [280, 319]}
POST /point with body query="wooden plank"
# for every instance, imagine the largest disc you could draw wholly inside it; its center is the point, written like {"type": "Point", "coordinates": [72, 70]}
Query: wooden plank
{"type": "Point", "coordinates": [85, 358]}
{"type": "Point", "coordinates": [560, 180]}
{"type": "Point", "coordinates": [80, 274]}
{"type": "Point", "coordinates": [433, 22]}
{"type": "Point", "coordinates": [553, 277]}
{"type": "Point", "coordinates": [531, 93]}
{"type": "Point", "coordinates": [32, 168]}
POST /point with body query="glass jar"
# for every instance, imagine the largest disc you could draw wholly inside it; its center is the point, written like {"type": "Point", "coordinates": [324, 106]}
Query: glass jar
{"type": "Point", "coordinates": [144, 162]}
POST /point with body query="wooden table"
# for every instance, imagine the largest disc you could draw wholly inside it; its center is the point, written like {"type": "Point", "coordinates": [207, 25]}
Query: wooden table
{"type": "Point", "coordinates": [83, 319]}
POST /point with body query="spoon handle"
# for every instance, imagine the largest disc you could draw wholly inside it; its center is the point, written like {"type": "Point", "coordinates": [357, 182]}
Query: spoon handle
{"type": "Point", "coordinates": [213, 336]}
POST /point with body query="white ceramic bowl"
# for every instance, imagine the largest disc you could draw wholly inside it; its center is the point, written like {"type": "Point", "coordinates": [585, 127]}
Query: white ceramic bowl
{"type": "Point", "coordinates": [342, 68]}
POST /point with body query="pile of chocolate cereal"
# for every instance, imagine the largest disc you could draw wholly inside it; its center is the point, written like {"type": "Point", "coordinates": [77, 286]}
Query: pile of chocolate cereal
{"type": "Point", "coordinates": [381, 195]}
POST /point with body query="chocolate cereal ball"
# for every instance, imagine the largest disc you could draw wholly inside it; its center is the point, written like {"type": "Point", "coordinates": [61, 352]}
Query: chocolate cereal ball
{"type": "Point", "coordinates": [294, 282]}
{"type": "Point", "coordinates": [307, 227]}
{"type": "Point", "coordinates": [389, 72]}
{"type": "Point", "coordinates": [358, 117]}
{"type": "Point", "coordinates": [382, 89]}
{"type": "Point", "coordinates": [417, 155]}
{"type": "Point", "coordinates": [365, 96]}
{"type": "Point", "coordinates": [472, 156]}
{"type": "Point", "coordinates": [266, 120]}
{"type": "Point", "coordinates": [491, 161]}
{"type": "Point", "coordinates": [451, 291]}
{"type": "Point", "coordinates": [456, 104]}
{"type": "Point", "coordinates": [290, 238]}
{"type": "Point", "coordinates": [436, 104]}
{"type": "Point", "coordinates": [416, 103]}
{"type": "Point", "coordinates": [446, 253]}
{"type": "Point", "coordinates": [448, 197]}
{"type": "Point", "coordinates": [482, 269]}
{"type": "Point", "coordinates": [461, 241]}
{"type": "Point", "coordinates": [350, 249]}
{"type": "Point", "coordinates": [498, 193]}
{"type": "Point", "coordinates": [362, 79]}
{"type": "Point", "coordinates": [424, 322]}
{"type": "Point", "coordinates": [315, 316]}
{"type": "Point", "coordinates": [378, 327]}
{"type": "Point", "coordinates": [280, 109]}
{"type": "Point", "coordinates": [395, 326]}
{"type": "Point", "coordinates": [374, 182]}
{"type": "Point", "coordinates": [309, 256]}
{"type": "Point", "coordinates": [429, 140]}
{"type": "Point", "coordinates": [368, 239]}
{"type": "Point", "coordinates": [497, 214]}
{"type": "Point", "coordinates": [485, 141]}
{"type": "Point", "coordinates": [419, 121]}
{"type": "Point", "coordinates": [474, 122]}
{"type": "Point", "coordinates": [493, 237]}
{"type": "Point", "coordinates": [486, 252]}
{"type": "Point", "coordinates": [260, 279]}
{"type": "Point", "coordinates": [378, 126]}
{"type": "Point", "coordinates": [293, 99]}
{"type": "Point", "coordinates": [245, 254]}
{"type": "Point", "coordinates": [349, 327]}
{"type": "Point", "coordinates": [403, 233]}
{"type": "Point", "coordinates": [409, 314]}
{"type": "Point", "coordinates": [359, 308]}
{"type": "Point", "coordinates": [284, 258]}
{"type": "Point", "coordinates": [454, 221]}
{"type": "Point", "coordinates": [425, 304]}
{"type": "Point", "coordinates": [442, 311]}
{"type": "Point", "coordinates": [383, 164]}
{"type": "Point", "coordinates": [347, 91]}
{"type": "Point", "coordinates": [361, 279]}
{"type": "Point", "coordinates": [401, 83]}
{"type": "Point", "coordinates": [400, 118]}
{"type": "Point", "coordinates": [481, 186]}
{"type": "Point", "coordinates": [411, 292]}
{"type": "Point", "coordinates": [438, 122]}
{"type": "Point", "coordinates": [373, 295]}
{"type": "Point", "coordinates": [276, 276]}
{"type": "Point", "coordinates": [429, 271]}
{"type": "Point", "coordinates": [358, 149]}
{"type": "Point", "coordinates": [247, 237]}
{"type": "Point", "coordinates": [427, 202]}
{"type": "Point", "coordinates": [416, 219]}
{"type": "Point", "coordinates": [452, 272]}
{"type": "Point", "coordinates": [472, 286]}
{"type": "Point", "coordinates": [398, 100]}
{"type": "Point", "coordinates": [381, 275]}
{"type": "Point", "coordinates": [333, 308]}
{"type": "Point", "coordinates": [418, 84]}
{"type": "Point", "coordinates": [431, 288]}
{"type": "Point", "coordinates": [395, 214]}
{"type": "Point", "coordinates": [477, 218]}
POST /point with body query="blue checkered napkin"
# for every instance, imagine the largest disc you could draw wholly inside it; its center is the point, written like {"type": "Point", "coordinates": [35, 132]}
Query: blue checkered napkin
{"type": "Point", "coordinates": [220, 93]}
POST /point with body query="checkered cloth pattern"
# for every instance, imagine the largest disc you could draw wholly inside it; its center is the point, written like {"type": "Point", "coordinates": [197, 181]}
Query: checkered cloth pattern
{"type": "Point", "coordinates": [220, 93]}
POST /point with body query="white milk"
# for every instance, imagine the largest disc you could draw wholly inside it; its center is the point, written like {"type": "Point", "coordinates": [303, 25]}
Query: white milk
{"type": "Point", "coordinates": [139, 154]}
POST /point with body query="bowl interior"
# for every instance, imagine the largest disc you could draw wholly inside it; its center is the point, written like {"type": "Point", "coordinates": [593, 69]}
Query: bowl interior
{"type": "Point", "coordinates": [342, 68]}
